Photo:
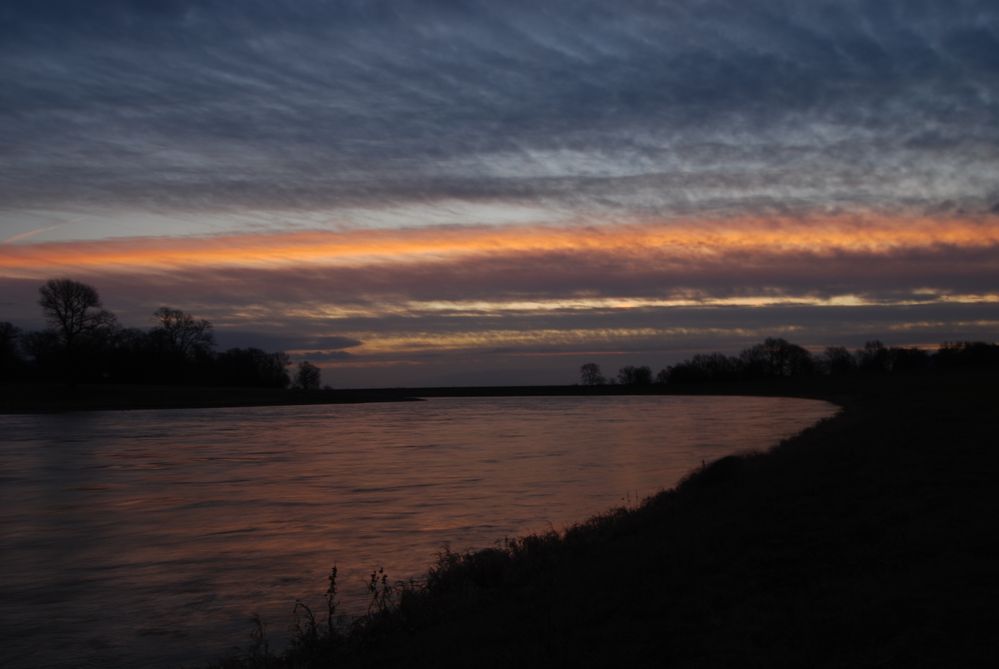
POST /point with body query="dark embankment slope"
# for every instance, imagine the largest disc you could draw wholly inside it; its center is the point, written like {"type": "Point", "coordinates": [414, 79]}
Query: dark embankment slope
{"type": "Point", "coordinates": [867, 541]}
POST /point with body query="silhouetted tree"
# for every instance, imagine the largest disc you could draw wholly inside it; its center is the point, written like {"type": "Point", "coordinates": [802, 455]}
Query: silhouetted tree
{"type": "Point", "coordinates": [837, 361]}
{"type": "Point", "coordinates": [967, 354]}
{"type": "Point", "coordinates": [133, 358]}
{"type": "Point", "coordinates": [776, 357]}
{"type": "Point", "coordinates": [710, 367]}
{"type": "Point", "coordinates": [908, 359]}
{"type": "Point", "coordinates": [307, 376]}
{"type": "Point", "coordinates": [84, 342]}
{"type": "Point", "coordinates": [253, 367]}
{"type": "Point", "coordinates": [703, 367]}
{"type": "Point", "coordinates": [874, 357]}
{"type": "Point", "coordinates": [45, 351]}
{"type": "Point", "coordinates": [589, 375]}
{"type": "Point", "coordinates": [73, 309]}
{"type": "Point", "coordinates": [11, 362]}
{"type": "Point", "coordinates": [182, 334]}
{"type": "Point", "coordinates": [634, 376]}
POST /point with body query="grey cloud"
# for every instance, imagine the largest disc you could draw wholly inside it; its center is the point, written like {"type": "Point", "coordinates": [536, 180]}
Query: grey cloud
{"type": "Point", "coordinates": [251, 312]}
{"type": "Point", "coordinates": [325, 356]}
{"type": "Point", "coordinates": [211, 105]}
{"type": "Point", "coordinates": [280, 339]}
{"type": "Point", "coordinates": [723, 328]}
{"type": "Point", "coordinates": [332, 342]}
{"type": "Point", "coordinates": [564, 275]}
{"type": "Point", "coordinates": [888, 277]}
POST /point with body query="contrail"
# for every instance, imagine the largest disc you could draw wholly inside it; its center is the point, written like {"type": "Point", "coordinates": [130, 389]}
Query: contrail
{"type": "Point", "coordinates": [28, 234]}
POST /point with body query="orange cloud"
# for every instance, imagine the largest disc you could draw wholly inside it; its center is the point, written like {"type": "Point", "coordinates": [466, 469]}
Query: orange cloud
{"type": "Point", "coordinates": [680, 240]}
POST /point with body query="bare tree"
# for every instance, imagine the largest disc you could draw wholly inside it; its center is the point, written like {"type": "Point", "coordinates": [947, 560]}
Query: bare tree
{"type": "Point", "coordinates": [10, 350]}
{"type": "Point", "coordinates": [776, 357]}
{"type": "Point", "coordinates": [874, 357]}
{"type": "Point", "coordinates": [307, 376]}
{"type": "Point", "coordinates": [73, 309]}
{"type": "Point", "coordinates": [837, 361]}
{"type": "Point", "coordinates": [183, 334]}
{"type": "Point", "coordinates": [589, 375]}
{"type": "Point", "coordinates": [252, 367]}
{"type": "Point", "coordinates": [634, 376]}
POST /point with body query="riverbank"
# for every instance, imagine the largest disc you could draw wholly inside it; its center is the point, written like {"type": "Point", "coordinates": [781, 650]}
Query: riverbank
{"type": "Point", "coordinates": [866, 541]}
{"type": "Point", "coordinates": [58, 397]}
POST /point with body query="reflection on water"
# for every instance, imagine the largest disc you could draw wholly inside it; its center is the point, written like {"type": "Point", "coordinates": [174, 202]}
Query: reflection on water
{"type": "Point", "coordinates": [149, 538]}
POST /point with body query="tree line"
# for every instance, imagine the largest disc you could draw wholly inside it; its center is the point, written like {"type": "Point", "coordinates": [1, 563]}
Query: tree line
{"type": "Point", "coordinates": [779, 358]}
{"type": "Point", "coordinates": [84, 343]}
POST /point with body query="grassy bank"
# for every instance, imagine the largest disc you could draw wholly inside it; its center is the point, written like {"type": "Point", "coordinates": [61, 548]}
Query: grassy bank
{"type": "Point", "coordinates": [866, 541]}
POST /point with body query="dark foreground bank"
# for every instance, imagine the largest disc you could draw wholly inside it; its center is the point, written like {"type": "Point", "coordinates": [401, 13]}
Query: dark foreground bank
{"type": "Point", "coordinates": [867, 541]}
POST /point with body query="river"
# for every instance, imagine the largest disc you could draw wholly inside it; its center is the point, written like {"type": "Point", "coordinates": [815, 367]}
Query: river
{"type": "Point", "coordinates": [149, 538]}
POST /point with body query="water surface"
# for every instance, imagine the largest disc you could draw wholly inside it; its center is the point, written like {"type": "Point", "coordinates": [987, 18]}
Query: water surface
{"type": "Point", "coordinates": [148, 538]}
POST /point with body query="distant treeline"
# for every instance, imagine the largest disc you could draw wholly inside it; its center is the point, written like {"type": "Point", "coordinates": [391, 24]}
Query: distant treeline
{"type": "Point", "coordinates": [84, 343]}
{"type": "Point", "coordinates": [776, 358]}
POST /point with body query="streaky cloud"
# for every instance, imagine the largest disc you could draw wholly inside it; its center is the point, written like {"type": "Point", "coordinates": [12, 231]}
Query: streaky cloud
{"type": "Point", "coordinates": [672, 107]}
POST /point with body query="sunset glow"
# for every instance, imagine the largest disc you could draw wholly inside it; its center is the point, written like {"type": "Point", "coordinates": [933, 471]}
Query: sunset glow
{"type": "Point", "coordinates": [680, 240]}
{"type": "Point", "coordinates": [628, 190]}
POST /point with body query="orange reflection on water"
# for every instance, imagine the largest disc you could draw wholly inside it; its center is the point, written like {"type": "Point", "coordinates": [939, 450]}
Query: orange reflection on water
{"type": "Point", "coordinates": [162, 532]}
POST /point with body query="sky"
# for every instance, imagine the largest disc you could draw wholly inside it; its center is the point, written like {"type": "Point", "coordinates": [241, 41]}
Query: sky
{"type": "Point", "coordinates": [432, 193]}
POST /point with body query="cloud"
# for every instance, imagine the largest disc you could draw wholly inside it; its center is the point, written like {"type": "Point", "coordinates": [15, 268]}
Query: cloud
{"type": "Point", "coordinates": [693, 238]}
{"type": "Point", "coordinates": [416, 296]}
{"type": "Point", "coordinates": [325, 356]}
{"type": "Point", "coordinates": [322, 274]}
{"type": "Point", "coordinates": [324, 176]}
{"type": "Point", "coordinates": [286, 337]}
{"type": "Point", "coordinates": [670, 108]}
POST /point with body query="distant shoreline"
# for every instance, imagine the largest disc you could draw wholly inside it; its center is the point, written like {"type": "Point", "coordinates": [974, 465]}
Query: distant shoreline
{"type": "Point", "coordinates": [35, 398]}
{"type": "Point", "coordinates": [51, 398]}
